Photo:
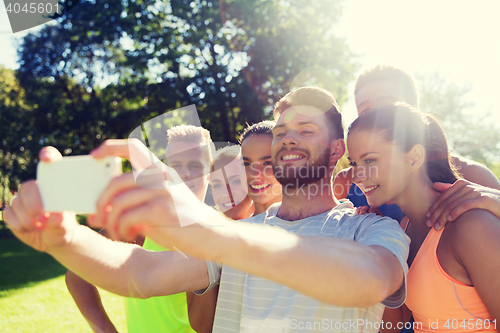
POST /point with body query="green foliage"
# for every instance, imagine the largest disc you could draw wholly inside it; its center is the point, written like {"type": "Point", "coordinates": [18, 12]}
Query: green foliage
{"type": "Point", "coordinates": [109, 66]}
{"type": "Point", "coordinates": [17, 136]}
{"type": "Point", "coordinates": [477, 139]}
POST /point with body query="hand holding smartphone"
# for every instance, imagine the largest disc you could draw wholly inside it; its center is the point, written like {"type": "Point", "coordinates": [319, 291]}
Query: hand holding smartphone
{"type": "Point", "coordinates": [75, 183]}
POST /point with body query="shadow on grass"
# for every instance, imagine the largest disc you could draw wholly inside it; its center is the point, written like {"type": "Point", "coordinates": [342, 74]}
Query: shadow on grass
{"type": "Point", "coordinates": [21, 266]}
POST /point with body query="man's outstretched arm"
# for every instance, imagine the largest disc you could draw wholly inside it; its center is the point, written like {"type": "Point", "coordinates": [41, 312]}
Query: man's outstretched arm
{"type": "Point", "coordinates": [124, 269]}
{"type": "Point", "coordinates": [336, 271]}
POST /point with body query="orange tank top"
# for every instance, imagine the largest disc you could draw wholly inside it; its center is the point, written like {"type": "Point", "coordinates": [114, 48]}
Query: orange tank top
{"type": "Point", "coordinates": [439, 302]}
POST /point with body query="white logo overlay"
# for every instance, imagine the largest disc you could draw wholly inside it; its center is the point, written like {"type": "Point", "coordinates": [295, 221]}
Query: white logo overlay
{"type": "Point", "coordinates": [151, 154]}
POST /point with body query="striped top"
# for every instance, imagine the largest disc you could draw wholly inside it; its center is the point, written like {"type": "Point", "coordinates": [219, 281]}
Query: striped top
{"type": "Point", "coordinates": [248, 303]}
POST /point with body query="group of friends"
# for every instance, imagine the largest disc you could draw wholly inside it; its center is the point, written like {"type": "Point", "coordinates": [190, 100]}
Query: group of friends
{"type": "Point", "coordinates": [407, 238]}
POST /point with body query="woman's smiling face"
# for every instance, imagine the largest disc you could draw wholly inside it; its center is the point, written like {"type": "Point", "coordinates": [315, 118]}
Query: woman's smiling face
{"type": "Point", "coordinates": [263, 188]}
{"type": "Point", "coordinates": [380, 167]}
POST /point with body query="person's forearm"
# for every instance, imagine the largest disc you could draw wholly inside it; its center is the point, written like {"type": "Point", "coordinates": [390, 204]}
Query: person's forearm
{"type": "Point", "coordinates": [476, 172]}
{"type": "Point", "coordinates": [88, 301]}
{"type": "Point", "coordinates": [126, 269]}
{"type": "Point", "coordinates": [335, 271]}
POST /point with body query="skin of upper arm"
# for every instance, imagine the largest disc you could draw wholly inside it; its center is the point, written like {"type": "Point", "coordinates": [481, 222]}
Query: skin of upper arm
{"type": "Point", "coordinates": [342, 184]}
{"type": "Point", "coordinates": [392, 273]}
{"type": "Point", "coordinates": [395, 316]}
{"type": "Point", "coordinates": [476, 172]}
{"type": "Point", "coordinates": [168, 272]}
{"type": "Point", "coordinates": [201, 310]}
{"type": "Point", "coordinates": [476, 245]}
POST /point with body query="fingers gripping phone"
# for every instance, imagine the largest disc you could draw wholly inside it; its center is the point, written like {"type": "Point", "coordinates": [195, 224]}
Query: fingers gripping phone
{"type": "Point", "coordinates": [75, 183]}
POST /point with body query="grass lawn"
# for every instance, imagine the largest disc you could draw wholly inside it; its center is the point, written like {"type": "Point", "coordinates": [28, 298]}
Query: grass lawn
{"type": "Point", "coordinates": [34, 298]}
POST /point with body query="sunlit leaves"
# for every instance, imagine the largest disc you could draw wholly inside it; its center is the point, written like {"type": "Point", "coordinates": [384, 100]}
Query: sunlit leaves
{"type": "Point", "coordinates": [477, 139]}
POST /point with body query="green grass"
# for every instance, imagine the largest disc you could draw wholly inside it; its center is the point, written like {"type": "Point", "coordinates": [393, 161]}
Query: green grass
{"type": "Point", "coordinates": [34, 298]}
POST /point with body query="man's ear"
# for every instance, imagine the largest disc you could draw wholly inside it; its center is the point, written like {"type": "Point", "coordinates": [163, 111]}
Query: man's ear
{"type": "Point", "coordinates": [337, 150]}
{"type": "Point", "coordinates": [416, 156]}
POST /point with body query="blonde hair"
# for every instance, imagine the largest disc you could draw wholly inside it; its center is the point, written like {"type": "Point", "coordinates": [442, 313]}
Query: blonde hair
{"type": "Point", "coordinates": [192, 134]}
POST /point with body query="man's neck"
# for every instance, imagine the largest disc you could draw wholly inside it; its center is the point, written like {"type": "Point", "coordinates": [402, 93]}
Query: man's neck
{"type": "Point", "coordinates": [306, 201]}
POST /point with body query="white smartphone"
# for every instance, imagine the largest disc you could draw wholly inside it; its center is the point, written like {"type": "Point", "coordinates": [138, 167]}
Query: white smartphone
{"type": "Point", "coordinates": [75, 183]}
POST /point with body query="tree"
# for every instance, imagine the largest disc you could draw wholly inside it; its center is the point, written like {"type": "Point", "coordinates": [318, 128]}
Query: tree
{"type": "Point", "coordinates": [16, 140]}
{"type": "Point", "coordinates": [108, 66]}
{"type": "Point", "coordinates": [232, 59]}
{"type": "Point", "coordinates": [476, 139]}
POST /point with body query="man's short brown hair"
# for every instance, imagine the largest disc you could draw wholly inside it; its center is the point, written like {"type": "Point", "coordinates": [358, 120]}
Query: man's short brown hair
{"type": "Point", "coordinates": [319, 98]}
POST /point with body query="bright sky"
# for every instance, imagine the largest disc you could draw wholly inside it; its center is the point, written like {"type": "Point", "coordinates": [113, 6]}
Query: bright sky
{"type": "Point", "coordinates": [457, 37]}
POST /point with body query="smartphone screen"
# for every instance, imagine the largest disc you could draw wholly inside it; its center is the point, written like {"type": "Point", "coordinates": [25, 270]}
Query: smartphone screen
{"type": "Point", "coordinates": [75, 183]}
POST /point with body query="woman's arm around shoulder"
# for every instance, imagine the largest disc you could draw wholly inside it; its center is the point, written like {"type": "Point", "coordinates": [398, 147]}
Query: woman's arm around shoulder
{"type": "Point", "coordinates": [398, 318]}
{"type": "Point", "coordinates": [201, 310]}
{"type": "Point", "coordinates": [476, 172]}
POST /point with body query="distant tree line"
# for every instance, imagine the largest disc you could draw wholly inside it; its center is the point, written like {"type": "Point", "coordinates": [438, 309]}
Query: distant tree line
{"type": "Point", "coordinates": [107, 66]}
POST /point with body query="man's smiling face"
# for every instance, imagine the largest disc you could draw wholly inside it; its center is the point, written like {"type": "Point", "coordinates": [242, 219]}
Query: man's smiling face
{"type": "Point", "coordinates": [301, 146]}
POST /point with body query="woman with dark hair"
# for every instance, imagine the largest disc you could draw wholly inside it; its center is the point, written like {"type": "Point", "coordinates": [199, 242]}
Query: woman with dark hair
{"type": "Point", "coordinates": [263, 188]}
{"type": "Point", "coordinates": [229, 191]}
{"type": "Point", "coordinates": [453, 283]}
